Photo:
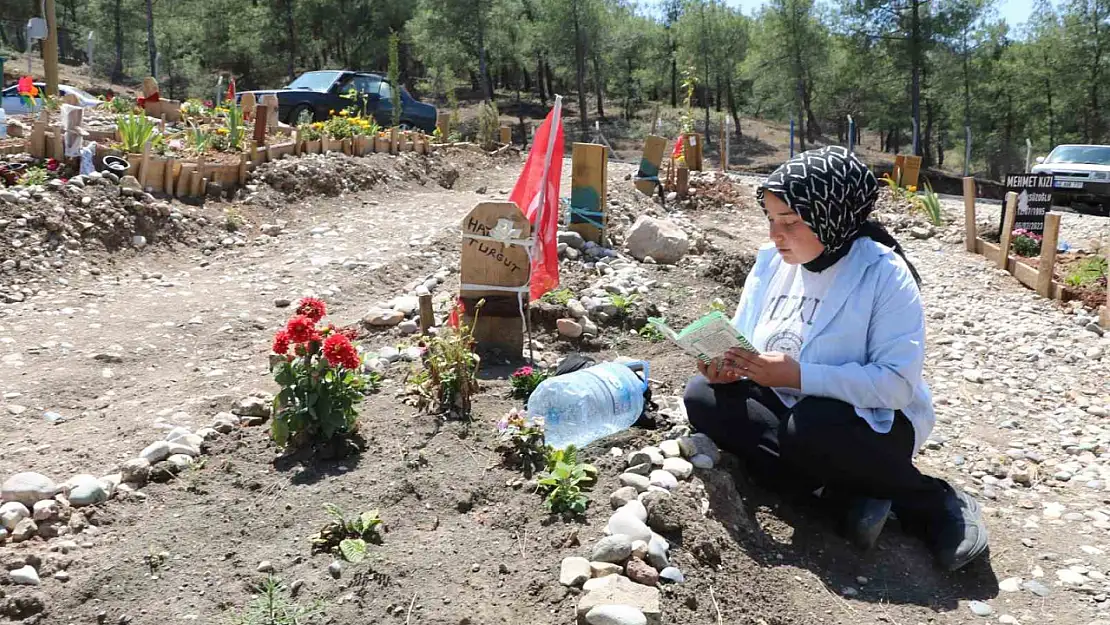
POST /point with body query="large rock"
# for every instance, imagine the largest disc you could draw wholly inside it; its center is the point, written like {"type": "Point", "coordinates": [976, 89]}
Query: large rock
{"type": "Point", "coordinates": [621, 496]}
{"type": "Point", "coordinates": [252, 407]}
{"type": "Point", "coordinates": [574, 571]}
{"type": "Point", "coordinates": [614, 549]}
{"type": "Point", "coordinates": [615, 615]}
{"type": "Point", "coordinates": [155, 452]}
{"type": "Point", "coordinates": [25, 575]}
{"type": "Point", "coordinates": [619, 590]}
{"type": "Point", "coordinates": [86, 490]}
{"type": "Point", "coordinates": [136, 471]}
{"type": "Point", "coordinates": [569, 328]}
{"type": "Point", "coordinates": [662, 240]}
{"type": "Point", "coordinates": [27, 488]}
{"type": "Point", "coordinates": [12, 513]}
{"type": "Point", "coordinates": [380, 317]}
{"type": "Point", "coordinates": [627, 522]}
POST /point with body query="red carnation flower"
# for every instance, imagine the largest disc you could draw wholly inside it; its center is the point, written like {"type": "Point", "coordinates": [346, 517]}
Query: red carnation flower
{"type": "Point", "coordinates": [302, 329]}
{"type": "Point", "coordinates": [339, 351]}
{"type": "Point", "coordinates": [281, 342]}
{"type": "Point", "coordinates": [312, 308]}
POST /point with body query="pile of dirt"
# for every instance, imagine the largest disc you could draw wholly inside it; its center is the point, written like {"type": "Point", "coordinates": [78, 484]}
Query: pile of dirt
{"type": "Point", "coordinates": [43, 227]}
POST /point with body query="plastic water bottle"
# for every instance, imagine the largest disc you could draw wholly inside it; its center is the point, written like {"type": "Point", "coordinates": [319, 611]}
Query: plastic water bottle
{"type": "Point", "coordinates": [585, 405]}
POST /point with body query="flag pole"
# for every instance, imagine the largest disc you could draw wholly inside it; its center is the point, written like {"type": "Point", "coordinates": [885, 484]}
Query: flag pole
{"type": "Point", "coordinates": [552, 131]}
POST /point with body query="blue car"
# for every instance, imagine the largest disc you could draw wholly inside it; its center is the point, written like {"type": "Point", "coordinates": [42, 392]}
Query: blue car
{"type": "Point", "coordinates": [313, 96]}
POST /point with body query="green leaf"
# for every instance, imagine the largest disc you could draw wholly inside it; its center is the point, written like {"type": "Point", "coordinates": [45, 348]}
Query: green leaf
{"type": "Point", "coordinates": [353, 549]}
{"type": "Point", "coordinates": [279, 430]}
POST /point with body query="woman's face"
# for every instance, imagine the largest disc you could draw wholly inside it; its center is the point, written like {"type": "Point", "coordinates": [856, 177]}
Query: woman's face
{"type": "Point", "coordinates": [796, 242]}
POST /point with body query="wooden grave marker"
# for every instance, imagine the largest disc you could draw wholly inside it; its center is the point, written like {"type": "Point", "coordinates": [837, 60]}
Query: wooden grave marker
{"type": "Point", "coordinates": [907, 170]}
{"type": "Point", "coordinates": [692, 150]}
{"type": "Point", "coordinates": [260, 122]}
{"type": "Point", "coordinates": [647, 178]}
{"type": "Point", "coordinates": [248, 103]}
{"type": "Point", "coordinates": [589, 167]}
{"type": "Point", "coordinates": [502, 265]}
{"type": "Point", "coordinates": [506, 135]}
{"type": "Point", "coordinates": [272, 104]}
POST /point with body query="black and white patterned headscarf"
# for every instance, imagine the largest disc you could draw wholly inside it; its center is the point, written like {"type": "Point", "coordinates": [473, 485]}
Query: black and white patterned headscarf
{"type": "Point", "coordinates": [834, 193]}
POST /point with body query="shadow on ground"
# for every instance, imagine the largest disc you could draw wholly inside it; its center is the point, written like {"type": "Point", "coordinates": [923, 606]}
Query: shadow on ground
{"type": "Point", "coordinates": [776, 530]}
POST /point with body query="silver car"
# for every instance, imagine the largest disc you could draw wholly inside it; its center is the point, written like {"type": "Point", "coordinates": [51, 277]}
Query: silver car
{"type": "Point", "coordinates": [1081, 174]}
{"type": "Point", "coordinates": [13, 104]}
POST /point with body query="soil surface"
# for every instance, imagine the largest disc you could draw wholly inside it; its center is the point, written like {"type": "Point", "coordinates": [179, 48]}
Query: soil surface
{"type": "Point", "coordinates": [171, 336]}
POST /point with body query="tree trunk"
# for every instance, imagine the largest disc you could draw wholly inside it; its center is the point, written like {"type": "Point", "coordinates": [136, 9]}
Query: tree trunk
{"type": "Point", "coordinates": [628, 94]}
{"type": "Point", "coordinates": [483, 65]}
{"type": "Point", "coordinates": [1094, 130]}
{"type": "Point", "coordinates": [290, 33]}
{"type": "Point", "coordinates": [927, 148]}
{"type": "Point", "coordinates": [550, 79]}
{"type": "Point", "coordinates": [150, 39]}
{"type": "Point", "coordinates": [674, 78]}
{"type": "Point", "coordinates": [540, 79]}
{"type": "Point", "coordinates": [117, 67]}
{"type": "Point", "coordinates": [812, 127]}
{"type": "Point", "coordinates": [580, 67]}
{"type": "Point", "coordinates": [732, 107]}
{"type": "Point", "coordinates": [717, 104]}
{"type": "Point", "coordinates": [599, 86]}
{"type": "Point", "coordinates": [915, 70]}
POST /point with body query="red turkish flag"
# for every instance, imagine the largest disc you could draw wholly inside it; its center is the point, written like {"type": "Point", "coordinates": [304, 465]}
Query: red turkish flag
{"type": "Point", "coordinates": [537, 194]}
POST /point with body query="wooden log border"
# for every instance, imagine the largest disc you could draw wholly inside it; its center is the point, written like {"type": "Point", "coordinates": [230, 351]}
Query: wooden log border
{"type": "Point", "coordinates": [178, 177]}
{"type": "Point", "coordinates": [1042, 279]}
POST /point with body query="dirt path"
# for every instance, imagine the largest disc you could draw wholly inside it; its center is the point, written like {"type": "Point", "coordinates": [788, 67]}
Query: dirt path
{"type": "Point", "coordinates": [172, 339]}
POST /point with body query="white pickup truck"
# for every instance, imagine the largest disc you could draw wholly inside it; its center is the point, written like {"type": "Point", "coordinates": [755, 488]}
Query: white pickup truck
{"type": "Point", "coordinates": [1081, 175]}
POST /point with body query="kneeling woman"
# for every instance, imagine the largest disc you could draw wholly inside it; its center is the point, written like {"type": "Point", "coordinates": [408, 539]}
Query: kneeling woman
{"type": "Point", "coordinates": [836, 401]}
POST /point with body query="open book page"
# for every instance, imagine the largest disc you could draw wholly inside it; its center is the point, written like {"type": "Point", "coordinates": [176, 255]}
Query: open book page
{"type": "Point", "coordinates": [707, 338]}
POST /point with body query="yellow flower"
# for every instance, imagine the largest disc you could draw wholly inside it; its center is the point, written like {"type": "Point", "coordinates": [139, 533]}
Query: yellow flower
{"type": "Point", "coordinates": [331, 111]}
{"type": "Point", "coordinates": [912, 188]}
{"type": "Point", "coordinates": [344, 113]}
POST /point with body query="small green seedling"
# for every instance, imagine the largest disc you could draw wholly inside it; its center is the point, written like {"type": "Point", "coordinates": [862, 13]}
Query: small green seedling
{"type": "Point", "coordinates": [347, 537]}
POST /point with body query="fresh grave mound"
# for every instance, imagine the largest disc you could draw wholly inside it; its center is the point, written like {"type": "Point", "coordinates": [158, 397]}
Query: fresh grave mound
{"type": "Point", "coordinates": [43, 227]}
{"type": "Point", "coordinates": [335, 174]}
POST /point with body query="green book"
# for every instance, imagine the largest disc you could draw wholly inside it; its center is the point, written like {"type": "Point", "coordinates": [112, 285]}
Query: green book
{"type": "Point", "coordinates": [707, 338]}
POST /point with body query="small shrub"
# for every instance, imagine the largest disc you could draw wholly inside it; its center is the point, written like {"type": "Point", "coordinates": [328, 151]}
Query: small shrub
{"type": "Point", "coordinates": [561, 296]}
{"type": "Point", "coordinates": [489, 125]}
{"type": "Point", "coordinates": [718, 305]}
{"type": "Point", "coordinates": [652, 333]}
{"type": "Point", "coordinates": [447, 378]}
{"type": "Point", "coordinates": [565, 480]}
{"type": "Point", "coordinates": [521, 441]}
{"type": "Point", "coordinates": [233, 221]}
{"type": "Point", "coordinates": [394, 73]}
{"type": "Point", "coordinates": [525, 380]}
{"type": "Point", "coordinates": [623, 303]}
{"type": "Point", "coordinates": [121, 105]}
{"type": "Point", "coordinates": [347, 537]}
{"type": "Point", "coordinates": [198, 139]}
{"type": "Point", "coordinates": [1025, 243]}
{"type": "Point", "coordinates": [311, 131]}
{"type": "Point", "coordinates": [33, 176]}
{"type": "Point", "coordinates": [928, 202]}
{"type": "Point", "coordinates": [321, 380]}
{"type": "Point", "coordinates": [1088, 272]}
{"type": "Point", "coordinates": [134, 132]}
{"type": "Point", "coordinates": [271, 607]}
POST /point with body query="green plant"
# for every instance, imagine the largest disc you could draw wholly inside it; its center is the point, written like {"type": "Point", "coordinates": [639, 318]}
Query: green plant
{"type": "Point", "coordinates": [652, 333]}
{"type": "Point", "coordinates": [564, 481]}
{"type": "Point", "coordinates": [525, 380]}
{"type": "Point", "coordinates": [233, 220]}
{"type": "Point", "coordinates": [338, 128]}
{"type": "Point", "coordinates": [1025, 243]}
{"type": "Point", "coordinates": [347, 537]}
{"type": "Point", "coordinates": [689, 86]}
{"type": "Point", "coordinates": [271, 607]}
{"type": "Point", "coordinates": [521, 441]}
{"type": "Point", "coordinates": [134, 132]}
{"type": "Point", "coordinates": [623, 303]}
{"type": "Point", "coordinates": [560, 296]}
{"type": "Point", "coordinates": [1089, 271]}
{"type": "Point", "coordinates": [198, 139]}
{"type": "Point", "coordinates": [310, 131]}
{"type": "Point", "coordinates": [321, 380]}
{"type": "Point", "coordinates": [234, 126]}
{"type": "Point", "coordinates": [489, 125]}
{"type": "Point", "coordinates": [394, 73]}
{"type": "Point", "coordinates": [121, 105]}
{"type": "Point", "coordinates": [447, 376]}
{"type": "Point", "coordinates": [453, 120]}
{"type": "Point", "coordinates": [928, 202]}
{"type": "Point", "coordinates": [33, 176]}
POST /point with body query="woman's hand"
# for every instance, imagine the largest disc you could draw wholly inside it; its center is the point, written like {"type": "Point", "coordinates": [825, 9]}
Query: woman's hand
{"type": "Point", "coordinates": [772, 369]}
{"type": "Point", "coordinates": [717, 372]}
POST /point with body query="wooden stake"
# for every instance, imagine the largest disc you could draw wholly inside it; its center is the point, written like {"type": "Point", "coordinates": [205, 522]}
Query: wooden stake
{"type": "Point", "coordinates": [50, 49]}
{"type": "Point", "coordinates": [1005, 236]}
{"type": "Point", "coordinates": [167, 177]}
{"type": "Point", "coordinates": [1047, 265]}
{"type": "Point", "coordinates": [196, 183]}
{"type": "Point", "coordinates": [144, 166]}
{"type": "Point", "coordinates": [59, 146]}
{"type": "Point", "coordinates": [971, 231]}
{"type": "Point", "coordinates": [1106, 309]}
{"type": "Point", "coordinates": [162, 128]}
{"type": "Point", "coordinates": [260, 118]}
{"type": "Point", "coordinates": [394, 141]}
{"type": "Point", "coordinates": [588, 191]}
{"type": "Point", "coordinates": [37, 146]}
{"type": "Point", "coordinates": [683, 183]}
{"type": "Point", "coordinates": [184, 180]}
{"type": "Point", "coordinates": [506, 135]}
{"type": "Point", "coordinates": [427, 315]}
{"type": "Point", "coordinates": [242, 168]}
